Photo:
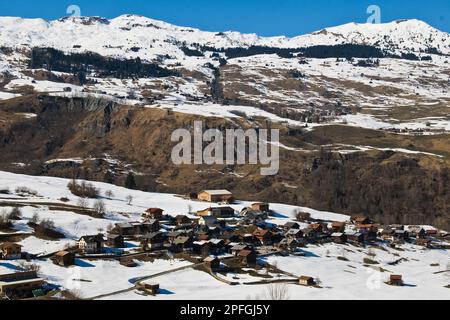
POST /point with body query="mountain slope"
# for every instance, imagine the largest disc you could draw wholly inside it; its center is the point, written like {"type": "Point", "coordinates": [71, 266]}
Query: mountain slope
{"type": "Point", "coordinates": [116, 37]}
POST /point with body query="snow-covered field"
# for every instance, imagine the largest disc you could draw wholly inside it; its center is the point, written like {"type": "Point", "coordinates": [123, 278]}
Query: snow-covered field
{"type": "Point", "coordinates": [423, 270]}
{"type": "Point", "coordinates": [347, 280]}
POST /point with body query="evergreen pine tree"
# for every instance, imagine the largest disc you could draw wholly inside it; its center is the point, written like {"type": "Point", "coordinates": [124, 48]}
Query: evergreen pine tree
{"type": "Point", "coordinates": [130, 183]}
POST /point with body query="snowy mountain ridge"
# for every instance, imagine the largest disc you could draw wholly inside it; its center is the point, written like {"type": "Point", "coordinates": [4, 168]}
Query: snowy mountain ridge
{"type": "Point", "coordinates": [117, 36]}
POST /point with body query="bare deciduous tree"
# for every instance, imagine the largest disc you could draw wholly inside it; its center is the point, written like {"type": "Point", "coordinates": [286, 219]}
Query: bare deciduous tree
{"type": "Point", "coordinates": [29, 266]}
{"type": "Point", "coordinates": [109, 194]}
{"type": "Point", "coordinates": [83, 203]}
{"type": "Point", "coordinates": [47, 224]}
{"type": "Point", "coordinates": [35, 218]}
{"type": "Point", "coordinates": [15, 214]}
{"type": "Point", "coordinates": [277, 292]}
{"type": "Point", "coordinates": [129, 199]}
{"type": "Point", "coordinates": [99, 208]}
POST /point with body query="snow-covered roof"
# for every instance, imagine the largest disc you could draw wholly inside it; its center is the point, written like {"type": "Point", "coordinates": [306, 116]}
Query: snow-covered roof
{"type": "Point", "coordinates": [337, 234]}
{"type": "Point", "coordinates": [217, 192]}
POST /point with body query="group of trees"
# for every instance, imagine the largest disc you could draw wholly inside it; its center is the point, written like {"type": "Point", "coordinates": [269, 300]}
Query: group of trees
{"type": "Point", "coordinates": [6, 217]}
{"type": "Point", "coordinates": [319, 52]}
{"type": "Point", "coordinates": [83, 189]}
{"type": "Point", "coordinates": [400, 192]}
{"type": "Point", "coordinates": [216, 87]}
{"type": "Point", "coordinates": [81, 64]}
{"type": "Point", "coordinates": [343, 51]}
{"type": "Point", "coordinates": [44, 228]}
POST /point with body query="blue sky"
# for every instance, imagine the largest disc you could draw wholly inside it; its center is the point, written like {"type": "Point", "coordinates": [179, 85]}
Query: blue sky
{"type": "Point", "coordinates": [265, 17]}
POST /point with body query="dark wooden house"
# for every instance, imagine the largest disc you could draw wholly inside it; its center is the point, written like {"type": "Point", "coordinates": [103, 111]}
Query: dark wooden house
{"type": "Point", "coordinates": [182, 220]}
{"type": "Point", "coordinates": [201, 248]}
{"type": "Point", "coordinates": [212, 263]}
{"type": "Point", "coordinates": [152, 241]}
{"type": "Point", "coordinates": [181, 244]}
{"type": "Point", "coordinates": [115, 241]}
{"type": "Point", "coordinates": [339, 237]}
{"type": "Point", "coordinates": [64, 258]}
{"type": "Point", "coordinates": [396, 280]}
{"type": "Point", "coordinates": [260, 206]}
{"type": "Point", "coordinates": [247, 257]}
{"type": "Point", "coordinates": [154, 213]}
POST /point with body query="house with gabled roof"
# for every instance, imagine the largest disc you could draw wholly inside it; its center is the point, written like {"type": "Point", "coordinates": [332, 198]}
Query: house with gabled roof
{"type": "Point", "coordinates": [91, 244]}
{"type": "Point", "coordinates": [181, 244]}
{"type": "Point", "coordinates": [247, 257]}
{"type": "Point", "coordinates": [215, 196]}
{"type": "Point", "coordinates": [11, 251]}
{"type": "Point", "coordinates": [152, 241]}
{"type": "Point", "coordinates": [212, 263]}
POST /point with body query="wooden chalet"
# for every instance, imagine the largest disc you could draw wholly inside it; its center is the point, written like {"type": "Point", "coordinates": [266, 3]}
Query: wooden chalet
{"type": "Point", "coordinates": [396, 280]}
{"type": "Point", "coordinates": [355, 237]}
{"type": "Point", "coordinates": [20, 282]}
{"type": "Point", "coordinates": [417, 232]}
{"type": "Point", "coordinates": [247, 238]}
{"type": "Point", "coordinates": [171, 236]}
{"type": "Point", "coordinates": [215, 196]}
{"type": "Point", "coordinates": [182, 220]}
{"type": "Point", "coordinates": [64, 258]}
{"type": "Point", "coordinates": [306, 281]}
{"type": "Point", "coordinates": [128, 262]}
{"type": "Point", "coordinates": [338, 226]}
{"type": "Point", "coordinates": [181, 244]}
{"type": "Point", "coordinates": [150, 288]}
{"type": "Point", "coordinates": [317, 227]}
{"type": "Point", "coordinates": [201, 248]}
{"type": "Point", "coordinates": [401, 235]}
{"type": "Point", "coordinates": [115, 241]}
{"type": "Point", "coordinates": [238, 248]}
{"type": "Point", "coordinates": [203, 235]}
{"type": "Point", "coordinates": [361, 220]}
{"type": "Point", "coordinates": [289, 244]}
{"type": "Point", "coordinates": [291, 225]}
{"type": "Point", "coordinates": [11, 251]}
{"type": "Point", "coordinates": [294, 234]}
{"type": "Point", "coordinates": [217, 246]}
{"type": "Point", "coordinates": [247, 257]}
{"type": "Point", "coordinates": [264, 237]}
{"type": "Point", "coordinates": [217, 212]}
{"type": "Point", "coordinates": [152, 241]}
{"type": "Point", "coordinates": [212, 263]}
{"type": "Point", "coordinates": [123, 229]}
{"type": "Point", "coordinates": [208, 221]}
{"type": "Point", "coordinates": [154, 213]}
{"type": "Point", "coordinates": [339, 237]}
{"type": "Point", "coordinates": [260, 206]}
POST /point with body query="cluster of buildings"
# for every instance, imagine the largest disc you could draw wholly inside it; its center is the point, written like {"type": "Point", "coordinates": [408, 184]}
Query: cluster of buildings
{"type": "Point", "coordinates": [222, 231]}
{"type": "Point", "coordinates": [218, 233]}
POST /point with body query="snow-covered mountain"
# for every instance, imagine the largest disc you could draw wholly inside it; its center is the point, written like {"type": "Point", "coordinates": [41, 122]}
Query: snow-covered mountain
{"type": "Point", "coordinates": [117, 37]}
{"type": "Point", "coordinates": [392, 79]}
{"type": "Point", "coordinates": [234, 69]}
